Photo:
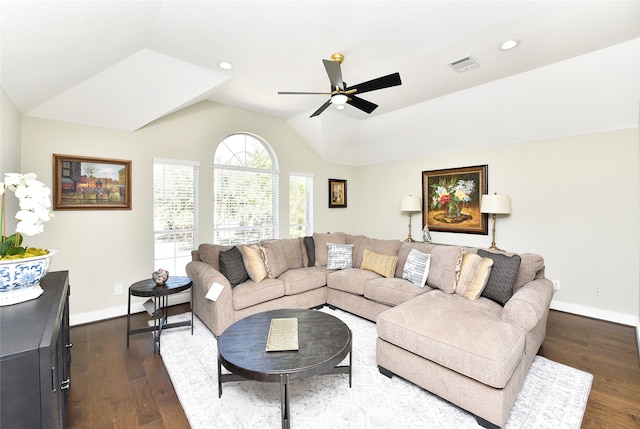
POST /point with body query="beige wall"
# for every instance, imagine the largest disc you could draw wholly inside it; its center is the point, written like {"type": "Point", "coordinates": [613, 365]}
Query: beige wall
{"type": "Point", "coordinates": [105, 248]}
{"type": "Point", "coordinates": [9, 149]}
{"type": "Point", "coordinates": [574, 200]}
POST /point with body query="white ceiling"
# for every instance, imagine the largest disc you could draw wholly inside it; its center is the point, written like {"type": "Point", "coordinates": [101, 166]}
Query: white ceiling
{"type": "Point", "coordinates": [123, 64]}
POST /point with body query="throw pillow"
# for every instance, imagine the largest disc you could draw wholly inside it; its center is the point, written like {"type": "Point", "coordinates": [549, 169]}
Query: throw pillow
{"type": "Point", "coordinates": [311, 250]}
{"type": "Point", "coordinates": [503, 276]}
{"type": "Point", "coordinates": [340, 256]}
{"type": "Point", "coordinates": [274, 258]}
{"type": "Point", "coordinates": [384, 265]}
{"type": "Point", "coordinates": [416, 268]}
{"type": "Point", "coordinates": [320, 240]}
{"type": "Point", "coordinates": [254, 262]}
{"type": "Point", "coordinates": [473, 275]}
{"type": "Point", "coordinates": [232, 267]}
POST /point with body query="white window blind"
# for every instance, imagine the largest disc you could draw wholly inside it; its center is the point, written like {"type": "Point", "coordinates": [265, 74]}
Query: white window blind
{"type": "Point", "coordinates": [300, 205]}
{"type": "Point", "coordinates": [245, 191]}
{"type": "Point", "coordinates": [175, 190]}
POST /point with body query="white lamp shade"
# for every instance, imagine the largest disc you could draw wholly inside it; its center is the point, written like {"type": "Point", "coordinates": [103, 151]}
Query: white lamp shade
{"type": "Point", "coordinates": [411, 204]}
{"type": "Point", "coordinates": [496, 203]}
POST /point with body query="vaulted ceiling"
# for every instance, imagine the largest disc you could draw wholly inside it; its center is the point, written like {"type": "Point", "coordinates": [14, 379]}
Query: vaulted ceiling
{"type": "Point", "coordinates": [124, 64]}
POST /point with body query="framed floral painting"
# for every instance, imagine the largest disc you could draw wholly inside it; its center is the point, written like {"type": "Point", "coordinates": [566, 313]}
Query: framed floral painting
{"type": "Point", "coordinates": [86, 183]}
{"type": "Point", "coordinates": [451, 199]}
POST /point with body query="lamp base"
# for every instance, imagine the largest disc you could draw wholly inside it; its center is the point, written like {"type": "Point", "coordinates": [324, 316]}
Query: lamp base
{"type": "Point", "coordinates": [409, 240]}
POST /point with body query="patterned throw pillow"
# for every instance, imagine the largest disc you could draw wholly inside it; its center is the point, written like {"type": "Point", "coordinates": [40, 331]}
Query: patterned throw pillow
{"type": "Point", "coordinates": [473, 275]}
{"type": "Point", "coordinates": [254, 262]}
{"type": "Point", "coordinates": [384, 265]}
{"type": "Point", "coordinates": [416, 268]}
{"type": "Point", "coordinates": [503, 276]}
{"type": "Point", "coordinates": [339, 256]}
{"type": "Point", "coordinates": [232, 267]}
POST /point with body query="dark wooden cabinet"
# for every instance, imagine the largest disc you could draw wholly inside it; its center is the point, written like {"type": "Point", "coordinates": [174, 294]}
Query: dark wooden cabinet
{"type": "Point", "coordinates": [35, 358]}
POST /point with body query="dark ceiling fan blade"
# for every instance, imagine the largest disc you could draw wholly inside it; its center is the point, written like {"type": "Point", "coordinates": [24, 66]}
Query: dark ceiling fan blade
{"type": "Point", "coordinates": [335, 74]}
{"type": "Point", "coordinates": [362, 104]}
{"type": "Point", "coordinates": [379, 83]}
{"type": "Point", "coordinates": [321, 108]}
{"type": "Point", "coordinates": [303, 93]}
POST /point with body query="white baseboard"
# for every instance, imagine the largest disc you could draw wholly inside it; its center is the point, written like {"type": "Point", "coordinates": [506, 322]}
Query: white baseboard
{"type": "Point", "coordinates": [596, 313]}
{"type": "Point", "coordinates": [110, 313]}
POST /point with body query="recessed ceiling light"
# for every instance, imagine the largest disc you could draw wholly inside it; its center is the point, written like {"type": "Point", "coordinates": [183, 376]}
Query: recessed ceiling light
{"type": "Point", "coordinates": [509, 44]}
{"type": "Point", "coordinates": [225, 65]}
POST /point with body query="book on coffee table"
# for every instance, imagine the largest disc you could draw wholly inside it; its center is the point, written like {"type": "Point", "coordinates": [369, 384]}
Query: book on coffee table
{"type": "Point", "coordinates": [283, 334]}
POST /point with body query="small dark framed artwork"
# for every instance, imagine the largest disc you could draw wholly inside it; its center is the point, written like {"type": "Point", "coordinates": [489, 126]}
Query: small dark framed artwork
{"type": "Point", "coordinates": [85, 183]}
{"type": "Point", "coordinates": [337, 193]}
{"type": "Point", "coordinates": [451, 199]}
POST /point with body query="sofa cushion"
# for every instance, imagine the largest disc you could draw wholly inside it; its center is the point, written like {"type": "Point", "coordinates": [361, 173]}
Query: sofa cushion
{"type": "Point", "coordinates": [391, 291]}
{"type": "Point", "coordinates": [382, 247]}
{"type": "Point", "coordinates": [210, 254]}
{"type": "Point", "coordinates": [503, 276]}
{"type": "Point", "coordinates": [339, 256]}
{"type": "Point", "coordinates": [472, 274]}
{"type": "Point", "coordinates": [442, 271]}
{"type": "Point", "coordinates": [251, 293]}
{"type": "Point", "coordinates": [351, 280]}
{"type": "Point", "coordinates": [253, 259]}
{"type": "Point", "coordinates": [298, 280]}
{"type": "Point", "coordinates": [384, 265]}
{"type": "Point", "coordinates": [465, 336]}
{"type": "Point", "coordinates": [405, 249]}
{"type": "Point", "coordinates": [416, 267]}
{"type": "Point", "coordinates": [311, 250]}
{"type": "Point", "coordinates": [530, 268]}
{"type": "Point", "coordinates": [232, 266]}
{"type": "Point", "coordinates": [321, 240]}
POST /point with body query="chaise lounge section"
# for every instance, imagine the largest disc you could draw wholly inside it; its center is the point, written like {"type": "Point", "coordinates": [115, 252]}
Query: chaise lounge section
{"type": "Point", "coordinates": [462, 323]}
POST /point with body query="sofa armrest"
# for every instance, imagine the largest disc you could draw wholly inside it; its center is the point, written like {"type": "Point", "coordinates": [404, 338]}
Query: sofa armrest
{"type": "Point", "coordinates": [529, 304]}
{"type": "Point", "coordinates": [217, 315]}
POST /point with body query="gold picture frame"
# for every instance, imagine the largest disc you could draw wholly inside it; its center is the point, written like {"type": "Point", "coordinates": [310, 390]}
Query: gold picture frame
{"type": "Point", "coordinates": [88, 183]}
{"type": "Point", "coordinates": [451, 199]}
{"type": "Point", "coordinates": [337, 193]}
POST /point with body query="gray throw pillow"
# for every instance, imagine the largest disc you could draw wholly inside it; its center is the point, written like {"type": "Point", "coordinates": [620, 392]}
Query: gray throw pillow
{"type": "Point", "coordinates": [311, 250]}
{"type": "Point", "coordinates": [340, 256]}
{"type": "Point", "coordinates": [232, 266]}
{"type": "Point", "coordinates": [503, 276]}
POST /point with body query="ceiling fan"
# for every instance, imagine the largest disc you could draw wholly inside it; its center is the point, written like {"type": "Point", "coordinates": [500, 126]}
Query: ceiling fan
{"type": "Point", "coordinates": [341, 93]}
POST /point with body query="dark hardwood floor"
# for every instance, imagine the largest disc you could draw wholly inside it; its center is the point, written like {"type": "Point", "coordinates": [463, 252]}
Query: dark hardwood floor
{"type": "Point", "coordinates": [118, 387]}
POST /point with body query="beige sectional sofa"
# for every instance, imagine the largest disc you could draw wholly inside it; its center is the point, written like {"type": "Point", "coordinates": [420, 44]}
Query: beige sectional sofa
{"type": "Point", "coordinates": [471, 350]}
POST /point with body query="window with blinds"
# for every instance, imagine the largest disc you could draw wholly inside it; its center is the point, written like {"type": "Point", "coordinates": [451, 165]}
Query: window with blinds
{"type": "Point", "coordinates": [175, 190]}
{"type": "Point", "coordinates": [245, 191]}
{"type": "Point", "coordinates": [300, 205]}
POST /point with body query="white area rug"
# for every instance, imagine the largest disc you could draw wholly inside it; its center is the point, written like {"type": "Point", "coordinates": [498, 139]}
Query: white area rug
{"type": "Point", "coordinates": [554, 396]}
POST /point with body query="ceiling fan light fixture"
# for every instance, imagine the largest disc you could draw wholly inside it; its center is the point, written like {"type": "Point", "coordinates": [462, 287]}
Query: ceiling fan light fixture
{"type": "Point", "coordinates": [340, 106]}
{"type": "Point", "coordinates": [339, 99]}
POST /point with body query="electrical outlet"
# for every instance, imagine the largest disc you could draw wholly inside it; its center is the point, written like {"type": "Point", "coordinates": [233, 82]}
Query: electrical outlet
{"type": "Point", "coordinates": [556, 285]}
{"type": "Point", "coordinates": [597, 292]}
{"type": "Point", "coordinates": [119, 289]}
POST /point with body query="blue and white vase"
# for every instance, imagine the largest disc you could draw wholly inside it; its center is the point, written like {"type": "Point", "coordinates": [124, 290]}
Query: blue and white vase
{"type": "Point", "coordinates": [20, 278]}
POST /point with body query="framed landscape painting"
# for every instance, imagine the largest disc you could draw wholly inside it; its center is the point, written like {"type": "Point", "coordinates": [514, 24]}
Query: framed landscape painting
{"type": "Point", "coordinates": [84, 183]}
{"type": "Point", "coordinates": [451, 199]}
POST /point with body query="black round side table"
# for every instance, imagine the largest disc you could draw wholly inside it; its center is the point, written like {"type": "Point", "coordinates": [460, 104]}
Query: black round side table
{"type": "Point", "coordinates": [156, 306]}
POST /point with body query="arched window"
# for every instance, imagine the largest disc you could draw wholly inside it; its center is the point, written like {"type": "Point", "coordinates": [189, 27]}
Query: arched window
{"type": "Point", "coordinates": [245, 191]}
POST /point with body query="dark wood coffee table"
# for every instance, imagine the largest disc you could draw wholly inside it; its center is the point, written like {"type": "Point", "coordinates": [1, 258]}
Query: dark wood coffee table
{"type": "Point", "coordinates": [323, 342]}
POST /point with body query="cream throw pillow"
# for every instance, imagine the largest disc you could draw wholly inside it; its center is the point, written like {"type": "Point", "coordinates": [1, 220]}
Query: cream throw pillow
{"type": "Point", "coordinates": [254, 262]}
{"type": "Point", "coordinates": [384, 265]}
{"type": "Point", "coordinates": [472, 275]}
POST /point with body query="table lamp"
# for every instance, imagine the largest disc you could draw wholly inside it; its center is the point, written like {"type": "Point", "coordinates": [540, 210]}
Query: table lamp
{"type": "Point", "coordinates": [410, 205]}
{"type": "Point", "coordinates": [495, 204]}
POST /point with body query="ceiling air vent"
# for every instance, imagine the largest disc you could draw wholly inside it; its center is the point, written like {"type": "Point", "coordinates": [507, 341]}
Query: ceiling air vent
{"type": "Point", "coordinates": [463, 64]}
